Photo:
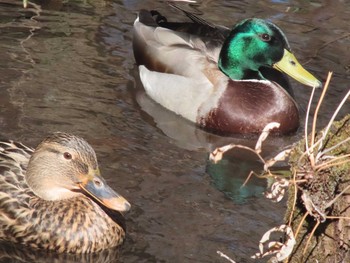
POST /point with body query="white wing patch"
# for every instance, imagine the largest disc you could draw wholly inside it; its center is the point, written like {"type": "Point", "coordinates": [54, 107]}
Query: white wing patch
{"type": "Point", "coordinates": [167, 37]}
{"type": "Point", "coordinates": [182, 95]}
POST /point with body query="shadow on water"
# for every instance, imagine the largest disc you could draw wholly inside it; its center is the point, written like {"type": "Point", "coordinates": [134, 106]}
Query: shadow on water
{"type": "Point", "coordinates": [76, 73]}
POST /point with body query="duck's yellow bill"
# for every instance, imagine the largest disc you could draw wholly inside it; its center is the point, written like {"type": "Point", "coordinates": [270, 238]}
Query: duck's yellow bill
{"type": "Point", "coordinates": [290, 65]}
{"type": "Point", "coordinates": [96, 187]}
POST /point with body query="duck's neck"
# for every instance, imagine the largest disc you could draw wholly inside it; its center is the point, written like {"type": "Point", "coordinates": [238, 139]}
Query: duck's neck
{"type": "Point", "coordinates": [231, 69]}
{"type": "Point", "coordinates": [238, 60]}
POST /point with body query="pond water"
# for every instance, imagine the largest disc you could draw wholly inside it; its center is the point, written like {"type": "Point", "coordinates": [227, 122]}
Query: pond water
{"type": "Point", "coordinates": [68, 66]}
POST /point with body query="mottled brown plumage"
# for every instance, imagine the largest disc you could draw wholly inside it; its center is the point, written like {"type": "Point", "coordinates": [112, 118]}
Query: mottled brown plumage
{"type": "Point", "coordinates": [54, 198]}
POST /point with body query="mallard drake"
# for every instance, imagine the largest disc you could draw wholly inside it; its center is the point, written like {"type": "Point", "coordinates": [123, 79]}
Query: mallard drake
{"type": "Point", "coordinates": [225, 81]}
{"type": "Point", "coordinates": [54, 197]}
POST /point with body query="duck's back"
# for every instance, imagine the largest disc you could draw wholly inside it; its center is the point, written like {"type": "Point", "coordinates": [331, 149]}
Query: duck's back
{"type": "Point", "coordinates": [14, 158]}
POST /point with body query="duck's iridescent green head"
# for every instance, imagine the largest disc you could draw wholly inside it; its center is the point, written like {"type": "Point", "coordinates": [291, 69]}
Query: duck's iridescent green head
{"type": "Point", "coordinates": [256, 43]}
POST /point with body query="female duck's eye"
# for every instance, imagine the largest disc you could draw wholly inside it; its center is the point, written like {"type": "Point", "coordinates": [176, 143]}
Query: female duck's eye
{"type": "Point", "coordinates": [265, 37]}
{"type": "Point", "coordinates": [67, 155]}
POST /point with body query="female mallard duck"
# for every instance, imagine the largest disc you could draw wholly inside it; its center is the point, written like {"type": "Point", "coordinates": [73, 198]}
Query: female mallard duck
{"type": "Point", "coordinates": [54, 198]}
{"type": "Point", "coordinates": [225, 81]}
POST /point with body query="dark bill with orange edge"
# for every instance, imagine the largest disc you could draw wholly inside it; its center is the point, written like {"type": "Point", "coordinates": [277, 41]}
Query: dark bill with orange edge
{"type": "Point", "coordinates": [96, 187]}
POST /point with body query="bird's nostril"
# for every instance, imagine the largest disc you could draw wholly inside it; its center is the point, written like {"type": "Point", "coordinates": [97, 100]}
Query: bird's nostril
{"type": "Point", "coordinates": [127, 206]}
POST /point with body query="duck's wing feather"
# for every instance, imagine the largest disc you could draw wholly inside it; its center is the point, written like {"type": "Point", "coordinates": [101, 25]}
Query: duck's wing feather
{"type": "Point", "coordinates": [152, 33]}
{"type": "Point", "coordinates": [14, 192]}
{"type": "Point", "coordinates": [182, 95]}
{"type": "Point", "coordinates": [14, 158]}
{"type": "Point", "coordinates": [210, 33]}
{"type": "Point", "coordinates": [192, 16]}
{"type": "Point", "coordinates": [177, 68]}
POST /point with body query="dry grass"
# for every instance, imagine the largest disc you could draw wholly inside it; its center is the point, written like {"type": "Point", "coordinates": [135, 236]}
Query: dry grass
{"type": "Point", "coordinates": [309, 173]}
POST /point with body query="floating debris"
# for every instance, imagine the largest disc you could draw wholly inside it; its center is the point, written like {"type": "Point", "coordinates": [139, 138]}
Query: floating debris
{"type": "Point", "coordinates": [279, 249]}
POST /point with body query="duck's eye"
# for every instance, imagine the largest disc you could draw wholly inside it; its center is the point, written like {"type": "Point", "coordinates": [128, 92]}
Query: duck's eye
{"type": "Point", "coordinates": [67, 156]}
{"type": "Point", "coordinates": [265, 37]}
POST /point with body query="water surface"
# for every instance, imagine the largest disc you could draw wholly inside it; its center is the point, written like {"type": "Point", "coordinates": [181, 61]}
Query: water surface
{"type": "Point", "coordinates": [68, 66]}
